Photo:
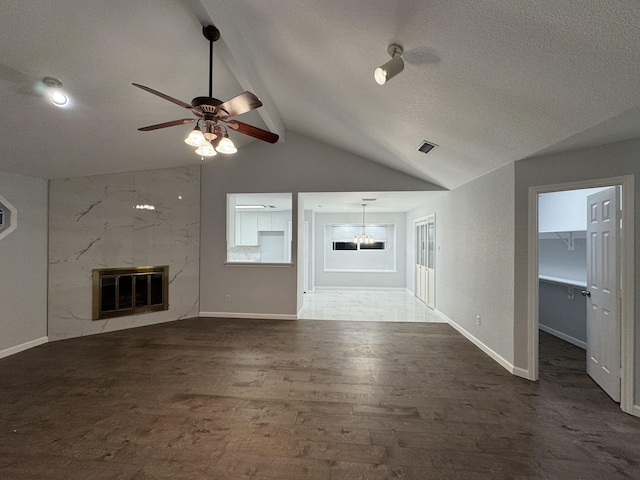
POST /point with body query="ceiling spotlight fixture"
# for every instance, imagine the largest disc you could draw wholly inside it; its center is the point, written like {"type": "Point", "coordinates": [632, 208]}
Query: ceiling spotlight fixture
{"type": "Point", "coordinates": [393, 67]}
{"type": "Point", "coordinates": [363, 237]}
{"type": "Point", "coordinates": [53, 90]}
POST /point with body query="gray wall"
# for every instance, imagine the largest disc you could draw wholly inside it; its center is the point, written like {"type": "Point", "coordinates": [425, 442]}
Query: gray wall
{"type": "Point", "coordinates": [474, 257]}
{"type": "Point", "coordinates": [93, 224]}
{"type": "Point", "coordinates": [615, 159]}
{"type": "Point", "coordinates": [23, 256]}
{"type": "Point", "coordinates": [566, 317]}
{"type": "Point", "coordinates": [299, 165]}
{"type": "Point", "coordinates": [556, 260]}
{"type": "Point", "coordinates": [563, 316]}
{"type": "Point", "coordinates": [396, 279]}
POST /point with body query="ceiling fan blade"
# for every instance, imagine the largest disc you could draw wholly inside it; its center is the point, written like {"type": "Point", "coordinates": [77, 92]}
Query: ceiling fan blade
{"type": "Point", "coordinates": [182, 121]}
{"type": "Point", "coordinates": [252, 131]}
{"type": "Point", "coordinates": [244, 102]}
{"type": "Point", "coordinates": [162, 95]}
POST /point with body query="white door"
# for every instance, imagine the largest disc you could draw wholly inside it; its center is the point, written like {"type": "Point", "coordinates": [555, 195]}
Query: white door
{"type": "Point", "coordinates": [431, 262]}
{"type": "Point", "coordinates": [603, 313]}
{"type": "Point", "coordinates": [305, 257]}
{"type": "Point", "coordinates": [420, 287]}
{"type": "Point", "coordinates": [425, 260]}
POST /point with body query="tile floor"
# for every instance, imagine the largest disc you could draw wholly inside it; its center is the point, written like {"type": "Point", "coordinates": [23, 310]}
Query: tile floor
{"type": "Point", "coordinates": [365, 305]}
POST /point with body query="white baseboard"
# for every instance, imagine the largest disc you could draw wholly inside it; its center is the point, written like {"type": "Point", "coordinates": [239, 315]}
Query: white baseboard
{"type": "Point", "coordinates": [521, 372]}
{"type": "Point", "coordinates": [22, 347]}
{"type": "Point", "coordinates": [635, 410]}
{"type": "Point", "coordinates": [393, 289]}
{"type": "Point", "coordinates": [494, 355]}
{"type": "Point", "coordinates": [563, 336]}
{"type": "Point", "coordinates": [261, 316]}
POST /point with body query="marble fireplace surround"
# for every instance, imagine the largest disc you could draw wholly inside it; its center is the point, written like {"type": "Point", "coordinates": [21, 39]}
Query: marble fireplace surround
{"type": "Point", "coordinates": [94, 223]}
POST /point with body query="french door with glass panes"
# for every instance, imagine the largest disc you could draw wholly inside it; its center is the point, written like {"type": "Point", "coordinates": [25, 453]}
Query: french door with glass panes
{"type": "Point", "coordinates": [425, 273]}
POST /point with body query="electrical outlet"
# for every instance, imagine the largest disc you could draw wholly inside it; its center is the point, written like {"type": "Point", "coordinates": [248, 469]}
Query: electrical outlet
{"type": "Point", "coordinates": [228, 298]}
{"type": "Point", "coordinates": [478, 319]}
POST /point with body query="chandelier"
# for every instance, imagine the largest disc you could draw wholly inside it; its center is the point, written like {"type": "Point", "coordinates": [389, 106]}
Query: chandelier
{"type": "Point", "coordinates": [363, 237]}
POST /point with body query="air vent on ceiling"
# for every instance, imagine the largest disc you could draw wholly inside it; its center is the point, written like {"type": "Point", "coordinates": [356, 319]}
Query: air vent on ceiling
{"type": "Point", "coordinates": [369, 199]}
{"type": "Point", "coordinates": [425, 147]}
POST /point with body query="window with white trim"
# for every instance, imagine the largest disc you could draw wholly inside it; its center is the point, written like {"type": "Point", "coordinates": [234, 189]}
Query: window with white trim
{"type": "Point", "coordinates": [343, 254]}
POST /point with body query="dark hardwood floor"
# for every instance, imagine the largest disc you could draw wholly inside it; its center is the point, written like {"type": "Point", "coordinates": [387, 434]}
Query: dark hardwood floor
{"type": "Point", "coordinates": [268, 400]}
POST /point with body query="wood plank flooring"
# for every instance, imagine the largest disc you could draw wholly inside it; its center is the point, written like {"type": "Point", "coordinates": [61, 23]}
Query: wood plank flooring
{"type": "Point", "coordinates": [275, 400]}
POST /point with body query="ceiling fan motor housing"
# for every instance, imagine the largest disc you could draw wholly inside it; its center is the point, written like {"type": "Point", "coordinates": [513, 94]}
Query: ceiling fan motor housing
{"type": "Point", "coordinates": [204, 105]}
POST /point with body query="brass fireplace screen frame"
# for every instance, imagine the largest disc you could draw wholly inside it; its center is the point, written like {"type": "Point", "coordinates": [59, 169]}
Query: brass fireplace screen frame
{"type": "Point", "coordinates": [118, 292]}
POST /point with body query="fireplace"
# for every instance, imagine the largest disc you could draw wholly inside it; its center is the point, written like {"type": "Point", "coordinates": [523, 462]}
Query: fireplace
{"type": "Point", "coordinates": [129, 291]}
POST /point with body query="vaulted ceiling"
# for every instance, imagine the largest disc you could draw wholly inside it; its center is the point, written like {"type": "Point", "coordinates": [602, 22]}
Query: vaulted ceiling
{"type": "Point", "coordinates": [488, 81]}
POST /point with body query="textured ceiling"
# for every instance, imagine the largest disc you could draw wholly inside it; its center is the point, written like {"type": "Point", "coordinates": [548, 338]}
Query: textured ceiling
{"type": "Point", "coordinates": [489, 81]}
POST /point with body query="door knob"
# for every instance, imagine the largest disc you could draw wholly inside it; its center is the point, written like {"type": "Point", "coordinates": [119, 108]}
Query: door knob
{"type": "Point", "coordinates": [585, 293]}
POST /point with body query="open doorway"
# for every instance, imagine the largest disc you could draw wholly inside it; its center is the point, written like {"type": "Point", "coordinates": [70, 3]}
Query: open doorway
{"type": "Point", "coordinates": [575, 252]}
{"type": "Point", "coordinates": [567, 290]}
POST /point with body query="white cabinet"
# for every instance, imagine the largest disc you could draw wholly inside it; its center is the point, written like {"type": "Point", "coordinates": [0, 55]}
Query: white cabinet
{"type": "Point", "coordinates": [246, 228]}
{"type": "Point", "coordinates": [273, 221]}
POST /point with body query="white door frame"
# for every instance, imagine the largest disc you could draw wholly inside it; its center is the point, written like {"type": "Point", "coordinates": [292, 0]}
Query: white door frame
{"type": "Point", "coordinates": [627, 327]}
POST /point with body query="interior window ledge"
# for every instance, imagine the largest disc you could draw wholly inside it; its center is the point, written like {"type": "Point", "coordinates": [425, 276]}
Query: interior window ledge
{"type": "Point", "coordinates": [333, 270]}
{"type": "Point", "coordinates": [257, 264]}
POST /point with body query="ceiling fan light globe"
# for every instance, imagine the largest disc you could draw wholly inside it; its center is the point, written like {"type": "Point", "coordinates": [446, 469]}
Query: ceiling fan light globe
{"type": "Point", "coordinates": [206, 150]}
{"type": "Point", "coordinates": [195, 138]}
{"type": "Point", "coordinates": [226, 146]}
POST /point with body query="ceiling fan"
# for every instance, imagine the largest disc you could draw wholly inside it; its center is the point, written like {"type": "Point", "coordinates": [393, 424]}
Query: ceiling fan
{"type": "Point", "coordinates": [213, 114]}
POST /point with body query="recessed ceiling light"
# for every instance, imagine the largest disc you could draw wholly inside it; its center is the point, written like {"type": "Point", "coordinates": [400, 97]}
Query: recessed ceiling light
{"type": "Point", "coordinates": [59, 99]}
{"type": "Point", "coordinates": [250, 206]}
{"type": "Point", "coordinates": [53, 90]}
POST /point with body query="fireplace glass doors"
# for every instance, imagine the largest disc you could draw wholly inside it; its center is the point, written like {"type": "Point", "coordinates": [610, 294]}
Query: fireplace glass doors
{"type": "Point", "coordinates": [129, 291]}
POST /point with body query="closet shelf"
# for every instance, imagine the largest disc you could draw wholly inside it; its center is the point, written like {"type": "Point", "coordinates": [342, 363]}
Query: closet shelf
{"type": "Point", "coordinates": [563, 281]}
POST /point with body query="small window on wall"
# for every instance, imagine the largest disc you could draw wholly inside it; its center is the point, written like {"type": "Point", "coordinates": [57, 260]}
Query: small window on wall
{"type": "Point", "coordinates": [8, 217]}
{"type": "Point", "coordinates": [259, 228]}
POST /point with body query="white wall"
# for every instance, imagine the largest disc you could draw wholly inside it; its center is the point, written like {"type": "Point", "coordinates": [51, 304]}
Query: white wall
{"type": "Point", "coordinates": [605, 161]}
{"type": "Point", "coordinates": [298, 165]}
{"type": "Point", "coordinates": [23, 256]}
{"type": "Point", "coordinates": [474, 257]}
{"type": "Point", "coordinates": [93, 224]}
{"type": "Point", "coordinates": [395, 279]}
{"type": "Point", "coordinates": [556, 260]}
{"type": "Point", "coordinates": [564, 211]}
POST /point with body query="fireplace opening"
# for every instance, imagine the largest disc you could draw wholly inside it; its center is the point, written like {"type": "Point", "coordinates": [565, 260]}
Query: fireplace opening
{"type": "Point", "coordinates": [130, 291]}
